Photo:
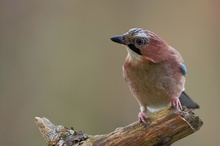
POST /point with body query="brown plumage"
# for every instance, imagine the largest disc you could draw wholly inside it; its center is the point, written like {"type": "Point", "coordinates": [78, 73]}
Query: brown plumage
{"type": "Point", "coordinates": [154, 71]}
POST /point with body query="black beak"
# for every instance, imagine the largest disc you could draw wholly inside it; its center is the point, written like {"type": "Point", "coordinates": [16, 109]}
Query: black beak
{"type": "Point", "coordinates": [118, 39]}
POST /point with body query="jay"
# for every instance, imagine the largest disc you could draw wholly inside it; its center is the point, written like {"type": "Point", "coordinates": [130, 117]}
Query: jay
{"type": "Point", "coordinates": [154, 71]}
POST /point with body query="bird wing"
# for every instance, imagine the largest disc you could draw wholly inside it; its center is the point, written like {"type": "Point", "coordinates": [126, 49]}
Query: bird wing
{"type": "Point", "coordinates": [183, 69]}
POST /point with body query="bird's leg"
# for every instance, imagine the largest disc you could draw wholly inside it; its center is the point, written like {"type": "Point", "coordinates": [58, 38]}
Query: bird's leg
{"type": "Point", "coordinates": [176, 103]}
{"type": "Point", "coordinates": [142, 116]}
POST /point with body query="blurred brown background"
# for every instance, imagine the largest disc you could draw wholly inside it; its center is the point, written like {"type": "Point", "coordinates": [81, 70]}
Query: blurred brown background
{"type": "Point", "coordinates": [56, 60]}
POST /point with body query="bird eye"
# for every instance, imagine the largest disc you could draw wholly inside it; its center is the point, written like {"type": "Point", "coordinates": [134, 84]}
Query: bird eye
{"type": "Point", "coordinates": [140, 41]}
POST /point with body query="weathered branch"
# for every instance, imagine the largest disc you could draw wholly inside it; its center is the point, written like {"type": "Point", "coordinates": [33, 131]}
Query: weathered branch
{"type": "Point", "coordinates": [166, 127]}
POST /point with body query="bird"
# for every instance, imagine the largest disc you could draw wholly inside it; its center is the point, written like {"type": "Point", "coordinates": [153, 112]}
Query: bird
{"type": "Point", "coordinates": [154, 71]}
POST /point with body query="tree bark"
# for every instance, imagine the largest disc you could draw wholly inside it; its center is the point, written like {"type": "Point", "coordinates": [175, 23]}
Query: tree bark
{"type": "Point", "coordinates": [166, 127]}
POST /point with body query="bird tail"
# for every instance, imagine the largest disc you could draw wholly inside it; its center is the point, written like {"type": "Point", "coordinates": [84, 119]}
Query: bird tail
{"type": "Point", "coordinates": [187, 101]}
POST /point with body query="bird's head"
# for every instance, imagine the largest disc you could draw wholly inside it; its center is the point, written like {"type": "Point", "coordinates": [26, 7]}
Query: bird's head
{"type": "Point", "coordinates": [143, 44]}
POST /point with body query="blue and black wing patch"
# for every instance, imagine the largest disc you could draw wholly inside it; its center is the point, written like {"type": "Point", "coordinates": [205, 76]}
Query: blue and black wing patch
{"type": "Point", "coordinates": [183, 69]}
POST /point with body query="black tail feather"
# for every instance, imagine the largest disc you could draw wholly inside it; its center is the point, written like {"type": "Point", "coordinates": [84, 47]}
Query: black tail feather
{"type": "Point", "coordinates": [187, 101]}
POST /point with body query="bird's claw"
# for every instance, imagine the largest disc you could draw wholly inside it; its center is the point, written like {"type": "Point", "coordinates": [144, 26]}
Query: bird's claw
{"type": "Point", "coordinates": [143, 118]}
{"type": "Point", "coordinates": [176, 103]}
